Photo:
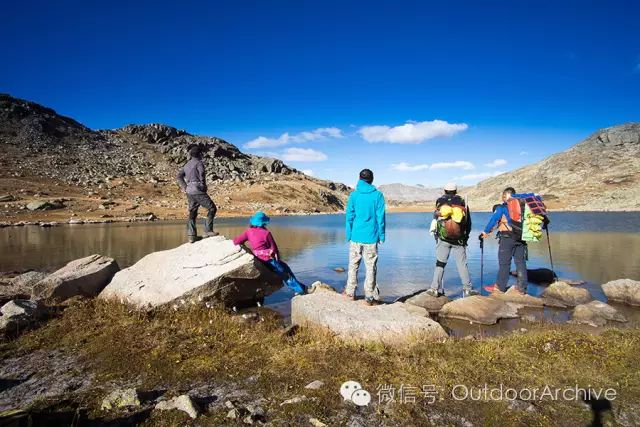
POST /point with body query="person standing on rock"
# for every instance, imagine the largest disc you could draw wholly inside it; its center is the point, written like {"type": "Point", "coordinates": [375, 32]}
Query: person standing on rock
{"type": "Point", "coordinates": [192, 181]}
{"type": "Point", "coordinates": [453, 226]}
{"type": "Point", "coordinates": [365, 230]}
{"type": "Point", "coordinates": [509, 247]}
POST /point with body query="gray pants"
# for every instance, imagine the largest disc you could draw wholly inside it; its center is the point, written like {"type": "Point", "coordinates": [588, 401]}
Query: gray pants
{"type": "Point", "coordinates": [195, 201]}
{"type": "Point", "coordinates": [443, 249]}
{"type": "Point", "coordinates": [358, 251]}
{"type": "Point", "coordinates": [510, 248]}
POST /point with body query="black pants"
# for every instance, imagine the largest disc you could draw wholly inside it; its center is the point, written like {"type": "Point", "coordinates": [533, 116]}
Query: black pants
{"type": "Point", "coordinates": [195, 201]}
{"type": "Point", "coordinates": [511, 248]}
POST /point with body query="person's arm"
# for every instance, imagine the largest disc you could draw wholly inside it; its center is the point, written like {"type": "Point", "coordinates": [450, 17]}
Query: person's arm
{"type": "Point", "coordinates": [241, 238]}
{"type": "Point", "coordinates": [202, 175]}
{"type": "Point", "coordinates": [380, 216]}
{"type": "Point", "coordinates": [273, 246]}
{"type": "Point", "coordinates": [494, 219]}
{"type": "Point", "coordinates": [181, 182]}
{"type": "Point", "coordinates": [350, 215]}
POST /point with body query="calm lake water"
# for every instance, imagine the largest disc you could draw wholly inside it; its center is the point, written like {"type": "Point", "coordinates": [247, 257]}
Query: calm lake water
{"type": "Point", "coordinates": [595, 247]}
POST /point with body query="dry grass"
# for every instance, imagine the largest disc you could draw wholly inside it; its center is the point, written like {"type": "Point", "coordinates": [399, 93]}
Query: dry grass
{"type": "Point", "coordinates": [180, 349]}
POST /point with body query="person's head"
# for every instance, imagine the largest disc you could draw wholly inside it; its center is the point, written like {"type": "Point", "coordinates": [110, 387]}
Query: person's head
{"type": "Point", "coordinates": [259, 219]}
{"type": "Point", "coordinates": [507, 193]}
{"type": "Point", "coordinates": [366, 175]}
{"type": "Point", "coordinates": [451, 188]}
{"type": "Point", "coordinates": [195, 151]}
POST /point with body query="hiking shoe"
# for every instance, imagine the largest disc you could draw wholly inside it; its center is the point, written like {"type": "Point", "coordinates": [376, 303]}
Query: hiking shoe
{"type": "Point", "coordinates": [493, 289]}
{"type": "Point", "coordinates": [469, 293]}
{"type": "Point", "coordinates": [193, 239]}
{"type": "Point", "coordinates": [517, 290]}
{"type": "Point", "coordinates": [434, 293]}
{"type": "Point", "coordinates": [348, 296]}
{"type": "Point", "coordinates": [211, 234]}
{"type": "Point", "coordinates": [372, 301]}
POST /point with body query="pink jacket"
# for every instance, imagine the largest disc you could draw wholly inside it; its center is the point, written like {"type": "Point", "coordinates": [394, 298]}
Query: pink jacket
{"type": "Point", "coordinates": [261, 242]}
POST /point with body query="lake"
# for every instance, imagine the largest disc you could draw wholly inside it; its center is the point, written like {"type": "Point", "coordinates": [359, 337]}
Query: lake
{"type": "Point", "coordinates": [594, 247]}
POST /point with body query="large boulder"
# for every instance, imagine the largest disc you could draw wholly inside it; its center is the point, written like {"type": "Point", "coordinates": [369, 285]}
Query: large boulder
{"type": "Point", "coordinates": [596, 313]}
{"type": "Point", "coordinates": [20, 286]}
{"type": "Point", "coordinates": [82, 277]}
{"type": "Point", "coordinates": [566, 294]}
{"type": "Point", "coordinates": [479, 309]}
{"type": "Point", "coordinates": [388, 323]}
{"type": "Point", "coordinates": [212, 269]}
{"type": "Point", "coordinates": [623, 290]}
{"type": "Point", "coordinates": [19, 314]}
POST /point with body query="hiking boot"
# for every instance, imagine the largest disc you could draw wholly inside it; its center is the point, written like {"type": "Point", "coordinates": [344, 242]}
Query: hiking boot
{"type": "Point", "coordinates": [210, 234]}
{"type": "Point", "coordinates": [372, 301]}
{"type": "Point", "coordinates": [493, 289]}
{"type": "Point", "coordinates": [434, 293]}
{"type": "Point", "coordinates": [348, 296]}
{"type": "Point", "coordinates": [193, 239]}
{"type": "Point", "coordinates": [469, 293]}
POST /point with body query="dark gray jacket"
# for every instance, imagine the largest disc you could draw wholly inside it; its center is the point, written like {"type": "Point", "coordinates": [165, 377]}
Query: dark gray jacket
{"type": "Point", "coordinates": [191, 178]}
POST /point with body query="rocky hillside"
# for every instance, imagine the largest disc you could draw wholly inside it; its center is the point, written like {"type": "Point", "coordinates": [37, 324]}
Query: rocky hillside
{"type": "Point", "coordinates": [409, 193]}
{"type": "Point", "coordinates": [133, 168]}
{"type": "Point", "coordinates": [600, 173]}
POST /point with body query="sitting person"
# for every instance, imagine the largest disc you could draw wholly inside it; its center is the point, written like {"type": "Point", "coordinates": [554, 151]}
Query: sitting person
{"type": "Point", "coordinates": [265, 249]}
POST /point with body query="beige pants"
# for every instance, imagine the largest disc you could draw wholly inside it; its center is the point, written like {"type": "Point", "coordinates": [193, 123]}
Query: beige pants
{"type": "Point", "coordinates": [358, 251]}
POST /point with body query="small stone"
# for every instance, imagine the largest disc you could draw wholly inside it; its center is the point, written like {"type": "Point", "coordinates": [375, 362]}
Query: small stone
{"type": "Point", "coordinates": [181, 403]}
{"type": "Point", "coordinates": [294, 400]}
{"type": "Point", "coordinates": [339, 270]}
{"type": "Point", "coordinates": [120, 399]}
{"type": "Point", "coordinates": [233, 414]}
{"type": "Point", "coordinates": [316, 422]}
{"type": "Point", "coordinates": [229, 404]}
{"type": "Point", "coordinates": [314, 385]}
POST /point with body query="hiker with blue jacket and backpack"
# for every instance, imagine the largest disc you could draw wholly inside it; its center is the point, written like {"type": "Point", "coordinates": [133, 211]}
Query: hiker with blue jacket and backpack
{"type": "Point", "coordinates": [511, 246]}
{"type": "Point", "coordinates": [365, 230]}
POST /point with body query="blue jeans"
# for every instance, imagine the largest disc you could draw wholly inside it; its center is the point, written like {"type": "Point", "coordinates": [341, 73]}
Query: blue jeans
{"type": "Point", "coordinates": [288, 278]}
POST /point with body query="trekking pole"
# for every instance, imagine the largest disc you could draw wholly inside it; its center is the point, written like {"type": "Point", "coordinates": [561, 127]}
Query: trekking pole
{"type": "Point", "coordinates": [481, 260]}
{"type": "Point", "coordinates": [549, 245]}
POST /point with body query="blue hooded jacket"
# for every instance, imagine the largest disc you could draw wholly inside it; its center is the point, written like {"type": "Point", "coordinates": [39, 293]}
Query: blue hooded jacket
{"type": "Point", "coordinates": [365, 215]}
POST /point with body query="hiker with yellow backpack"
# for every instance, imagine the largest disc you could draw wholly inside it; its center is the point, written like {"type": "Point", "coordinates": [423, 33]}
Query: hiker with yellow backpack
{"type": "Point", "coordinates": [519, 219]}
{"type": "Point", "coordinates": [451, 227]}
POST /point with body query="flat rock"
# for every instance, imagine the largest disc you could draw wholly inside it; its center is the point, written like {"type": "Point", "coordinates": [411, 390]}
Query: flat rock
{"type": "Point", "coordinates": [388, 323]}
{"type": "Point", "coordinates": [511, 295]}
{"type": "Point", "coordinates": [567, 294]}
{"type": "Point", "coordinates": [181, 403]}
{"type": "Point", "coordinates": [212, 269]}
{"type": "Point", "coordinates": [430, 303]}
{"type": "Point", "coordinates": [596, 313]}
{"type": "Point", "coordinates": [82, 277]}
{"type": "Point", "coordinates": [623, 290]}
{"type": "Point", "coordinates": [20, 286]}
{"type": "Point", "coordinates": [479, 309]}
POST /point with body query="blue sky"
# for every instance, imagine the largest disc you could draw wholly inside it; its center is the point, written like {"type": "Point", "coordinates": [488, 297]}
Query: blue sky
{"type": "Point", "coordinates": [420, 92]}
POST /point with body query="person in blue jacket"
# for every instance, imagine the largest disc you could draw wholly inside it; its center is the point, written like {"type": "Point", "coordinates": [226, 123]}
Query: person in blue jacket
{"type": "Point", "coordinates": [365, 228]}
{"type": "Point", "coordinates": [510, 247]}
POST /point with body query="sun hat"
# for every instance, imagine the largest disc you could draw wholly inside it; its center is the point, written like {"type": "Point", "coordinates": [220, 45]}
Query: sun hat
{"type": "Point", "coordinates": [259, 219]}
{"type": "Point", "coordinates": [451, 186]}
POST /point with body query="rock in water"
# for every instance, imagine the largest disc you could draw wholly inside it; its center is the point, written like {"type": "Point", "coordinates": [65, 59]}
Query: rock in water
{"type": "Point", "coordinates": [389, 323]}
{"type": "Point", "coordinates": [479, 309]}
{"type": "Point", "coordinates": [84, 277]}
{"type": "Point", "coordinates": [596, 313]}
{"type": "Point", "coordinates": [567, 294]}
{"type": "Point", "coordinates": [527, 300]}
{"type": "Point", "coordinates": [430, 303]}
{"type": "Point", "coordinates": [623, 290]}
{"type": "Point", "coordinates": [212, 269]}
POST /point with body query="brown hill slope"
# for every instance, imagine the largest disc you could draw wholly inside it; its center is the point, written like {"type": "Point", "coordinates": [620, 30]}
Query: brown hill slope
{"type": "Point", "coordinates": [600, 173]}
{"type": "Point", "coordinates": [131, 171]}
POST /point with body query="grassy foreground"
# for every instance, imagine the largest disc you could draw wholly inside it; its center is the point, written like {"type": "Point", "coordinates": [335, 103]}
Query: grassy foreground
{"type": "Point", "coordinates": [181, 349]}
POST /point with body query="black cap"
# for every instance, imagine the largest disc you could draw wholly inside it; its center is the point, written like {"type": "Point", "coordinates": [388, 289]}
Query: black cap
{"type": "Point", "coordinates": [194, 150]}
{"type": "Point", "coordinates": [366, 175]}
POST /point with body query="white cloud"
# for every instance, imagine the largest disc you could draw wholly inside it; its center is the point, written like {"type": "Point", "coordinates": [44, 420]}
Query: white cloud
{"type": "Point", "coordinates": [477, 176]}
{"type": "Point", "coordinates": [460, 164]}
{"type": "Point", "coordinates": [496, 163]}
{"type": "Point", "coordinates": [407, 167]}
{"type": "Point", "coordinates": [524, 153]}
{"type": "Point", "coordinates": [411, 132]}
{"type": "Point", "coordinates": [307, 172]}
{"type": "Point", "coordinates": [285, 138]}
{"type": "Point", "coordinates": [303, 155]}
